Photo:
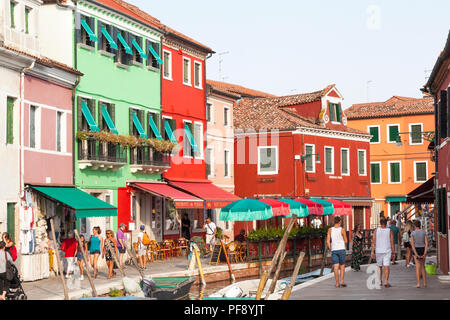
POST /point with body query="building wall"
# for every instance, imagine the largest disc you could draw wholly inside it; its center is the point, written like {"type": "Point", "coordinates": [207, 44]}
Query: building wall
{"type": "Point", "coordinates": [384, 152]}
{"type": "Point", "coordinates": [44, 164]}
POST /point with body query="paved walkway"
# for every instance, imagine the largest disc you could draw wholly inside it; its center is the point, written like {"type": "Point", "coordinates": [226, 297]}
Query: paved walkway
{"type": "Point", "coordinates": [402, 279]}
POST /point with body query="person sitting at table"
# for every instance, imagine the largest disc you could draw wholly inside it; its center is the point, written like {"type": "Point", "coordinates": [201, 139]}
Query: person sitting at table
{"type": "Point", "coordinates": [241, 236]}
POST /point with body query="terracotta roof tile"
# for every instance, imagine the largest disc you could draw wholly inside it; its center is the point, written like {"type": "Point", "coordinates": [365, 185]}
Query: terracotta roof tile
{"type": "Point", "coordinates": [395, 106]}
{"type": "Point", "coordinates": [237, 89]}
{"type": "Point", "coordinates": [302, 98]}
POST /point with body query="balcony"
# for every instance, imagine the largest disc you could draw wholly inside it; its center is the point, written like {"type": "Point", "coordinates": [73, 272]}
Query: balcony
{"type": "Point", "coordinates": [148, 160]}
{"type": "Point", "coordinates": [100, 155]}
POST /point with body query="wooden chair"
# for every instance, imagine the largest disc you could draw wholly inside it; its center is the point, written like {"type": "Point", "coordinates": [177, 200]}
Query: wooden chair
{"type": "Point", "coordinates": [233, 251]}
{"type": "Point", "coordinates": [182, 244]}
{"type": "Point", "coordinates": [166, 248]}
{"type": "Point", "coordinates": [243, 252]}
{"type": "Point", "coordinates": [155, 250]}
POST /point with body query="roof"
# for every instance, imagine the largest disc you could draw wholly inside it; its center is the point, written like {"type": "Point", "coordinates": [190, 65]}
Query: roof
{"type": "Point", "coordinates": [442, 57]}
{"type": "Point", "coordinates": [302, 98]}
{"type": "Point", "coordinates": [44, 60]}
{"type": "Point", "coordinates": [237, 89]}
{"type": "Point", "coordinates": [395, 106]}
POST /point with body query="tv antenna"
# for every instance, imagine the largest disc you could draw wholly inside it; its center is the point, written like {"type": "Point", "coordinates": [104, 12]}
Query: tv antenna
{"type": "Point", "coordinates": [220, 63]}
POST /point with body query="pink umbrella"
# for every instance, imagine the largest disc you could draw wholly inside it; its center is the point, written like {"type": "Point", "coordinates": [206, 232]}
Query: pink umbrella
{"type": "Point", "coordinates": [279, 209]}
{"type": "Point", "coordinates": [340, 208]}
{"type": "Point", "coordinates": [314, 208]}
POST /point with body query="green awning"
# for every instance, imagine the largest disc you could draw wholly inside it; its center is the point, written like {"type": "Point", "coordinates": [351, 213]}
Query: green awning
{"type": "Point", "coordinates": [84, 204]}
{"type": "Point", "coordinates": [125, 44]}
{"type": "Point", "coordinates": [108, 120]}
{"type": "Point", "coordinates": [111, 41]}
{"type": "Point", "coordinates": [139, 127]}
{"type": "Point", "coordinates": [154, 127]}
{"type": "Point", "coordinates": [169, 131]}
{"type": "Point", "coordinates": [396, 199]}
{"type": "Point", "coordinates": [190, 137]}
{"type": "Point", "coordinates": [155, 54]}
{"type": "Point", "coordinates": [139, 49]}
{"type": "Point", "coordinates": [89, 31]}
{"type": "Point", "coordinates": [89, 118]}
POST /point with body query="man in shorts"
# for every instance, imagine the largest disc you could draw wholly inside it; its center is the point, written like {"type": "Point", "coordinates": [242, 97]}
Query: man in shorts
{"type": "Point", "coordinates": [382, 250]}
{"type": "Point", "coordinates": [337, 241]}
{"type": "Point", "coordinates": [142, 249]}
{"type": "Point", "coordinates": [211, 230]}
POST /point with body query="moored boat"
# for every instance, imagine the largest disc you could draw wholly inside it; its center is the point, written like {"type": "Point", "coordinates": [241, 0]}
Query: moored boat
{"type": "Point", "coordinates": [167, 288]}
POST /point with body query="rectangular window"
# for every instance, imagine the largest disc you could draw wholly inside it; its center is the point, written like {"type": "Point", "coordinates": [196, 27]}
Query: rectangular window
{"type": "Point", "coordinates": [209, 162]}
{"type": "Point", "coordinates": [329, 160]}
{"type": "Point", "coordinates": [375, 133]}
{"type": "Point", "coordinates": [209, 107]}
{"type": "Point", "coordinates": [27, 19]}
{"type": "Point", "coordinates": [226, 116]}
{"type": "Point", "coordinates": [393, 208]}
{"type": "Point", "coordinates": [187, 147]}
{"type": "Point", "coordinates": [309, 158]}
{"type": "Point", "coordinates": [362, 162]}
{"type": "Point", "coordinates": [137, 49]}
{"type": "Point", "coordinates": [267, 160]}
{"type": "Point", "coordinates": [107, 38]}
{"type": "Point", "coordinates": [157, 121]}
{"type": "Point", "coordinates": [345, 162]}
{"type": "Point", "coordinates": [394, 172]}
{"type": "Point", "coordinates": [12, 9]}
{"type": "Point", "coordinates": [420, 171]}
{"type": "Point", "coordinates": [393, 132]}
{"type": "Point", "coordinates": [186, 71]}
{"type": "Point", "coordinates": [170, 126]}
{"type": "Point", "coordinates": [33, 110]}
{"type": "Point", "coordinates": [197, 75]}
{"type": "Point", "coordinates": [154, 59]}
{"type": "Point", "coordinates": [375, 172]}
{"type": "Point", "coordinates": [87, 32]}
{"type": "Point", "coordinates": [226, 163]}
{"type": "Point", "coordinates": [124, 54]}
{"type": "Point", "coordinates": [10, 120]}
{"type": "Point", "coordinates": [198, 137]}
{"type": "Point", "coordinates": [59, 132]}
{"type": "Point", "coordinates": [415, 135]}
{"type": "Point", "coordinates": [167, 65]}
{"type": "Point", "coordinates": [137, 123]}
{"type": "Point", "coordinates": [335, 112]}
{"type": "Point", "coordinates": [82, 122]}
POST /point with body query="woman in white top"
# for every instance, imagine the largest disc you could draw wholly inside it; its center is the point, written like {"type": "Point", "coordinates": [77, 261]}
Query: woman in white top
{"type": "Point", "coordinates": [336, 241]}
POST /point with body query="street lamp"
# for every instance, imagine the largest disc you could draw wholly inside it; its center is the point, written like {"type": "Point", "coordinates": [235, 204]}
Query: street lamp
{"type": "Point", "coordinates": [303, 157]}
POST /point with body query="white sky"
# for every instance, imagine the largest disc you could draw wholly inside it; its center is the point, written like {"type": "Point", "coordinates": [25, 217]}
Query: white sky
{"type": "Point", "coordinates": [295, 46]}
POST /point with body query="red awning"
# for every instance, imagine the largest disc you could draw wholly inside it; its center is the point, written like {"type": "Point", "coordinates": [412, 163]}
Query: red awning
{"type": "Point", "coordinates": [181, 199]}
{"type": "Point", "coordinates": [314, 208]}
{"type": "Point", "coordinates": [213, 195]}
{"type": "Point", "coordinates": [340, 208]}
{"type": "Point", "coordinates": [279, 209]}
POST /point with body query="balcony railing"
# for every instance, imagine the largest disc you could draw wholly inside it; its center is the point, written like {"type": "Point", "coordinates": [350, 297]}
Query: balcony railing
{"type": "Point", "coordinates": [101, 155]}
{"type": "Point", "coordinates": [147, 159]}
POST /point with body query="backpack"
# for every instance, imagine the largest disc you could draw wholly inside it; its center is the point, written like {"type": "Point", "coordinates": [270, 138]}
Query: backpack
{"type": "Point", "coordinates": [145, 239]}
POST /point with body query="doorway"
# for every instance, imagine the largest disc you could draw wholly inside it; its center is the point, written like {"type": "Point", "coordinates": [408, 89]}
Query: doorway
{"type": "Point", "coordinates": [358, 214]}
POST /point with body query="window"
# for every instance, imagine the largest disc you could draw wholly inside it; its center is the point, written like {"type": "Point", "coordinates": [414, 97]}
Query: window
{"type": "Point", "coordinates": [27, 19]}
{"type": "Point", "coordinates": [226, 163]}
{"type": "Point", "coordinates": [267, 160]}
{"type": "Point", "coordinates": [12, 9]}
{"type": "Point", "coordinates": [124, 54]}
{"type": "Point", "coordinates": [32, 128]}
{"type": "Point", "coordinates": [375, 172]}
{"type": "Point", "coordinates": [310, 164]}
{"type": "Point", "coordinates": [107, 38]}
{"type": "Point", "coordinates": [198, 137]}
{"type": "Point", "coordinates": [393, 132]}
{"type": "Point", "coordinates": [10, 120]}
{"type": "Point", "coordinates": [186, 71]}
{"type": "Point", "coordinates": [167, 65]}
{"type": "Point", "coordinates": [136, 46]}
{"type": "Point", "coordinates": [329, 160]}
{"type": "Point", "coordinates": [362, 162]}
{"type": "Point", "coordinates": [86, 34]}
{"type": "Point", "coordinates": [156, 119]}
{"type": "Point", "coordinates": [133, 208]}
{"type": "Point", "coordinates": [170, 126]}
{"type": "Point", "coordinates": [420, 171]}
{"type": "Point", "coordinates": [335, 112]}
{"type": "Point", "coordinates": [415, 135]}
{"type": "Point", "coordinates": [209, 112]}
{"type": "Point", "coordinates": [394, 172]}
{"type": "Point", "coordinates": [187, 147]}
{"type": "Point", "coordinates": [59, 132]}
{"type": "Point", "coordinates": [226, 116]}
{"type": "Point", "coordinates": [375, 133]}
{"type": "Point", "coordinates": [197, 74]}
{"type": "Point", "coordinates": [141, 117]}
{"type": "Point", "coordinates": [345, 162]}
{"type": "Point", "coordinates": [209, 162]}
{"type": "Point", "coordinates": [393, 208]}
{"type": "Point", "coordinates": [83, 124]}
{"type": "Point", "coordinates": [152, 60]}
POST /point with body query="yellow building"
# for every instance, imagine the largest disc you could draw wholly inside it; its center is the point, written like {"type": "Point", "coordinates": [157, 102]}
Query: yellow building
{"type": "Point", "coordinates": [399, 158]}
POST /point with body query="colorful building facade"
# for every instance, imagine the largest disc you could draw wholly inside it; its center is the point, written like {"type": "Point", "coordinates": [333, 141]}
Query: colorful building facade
{"type": "Point", "coordinates": [399, 157]}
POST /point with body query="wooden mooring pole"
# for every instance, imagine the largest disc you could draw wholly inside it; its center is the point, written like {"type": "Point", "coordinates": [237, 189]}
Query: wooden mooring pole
{"type": "Point", "coordinates": [275, 277]}
{"type": "Point", "coordinates": [58, 259]}
{"type": "Point", "coordinates": [288, 290]}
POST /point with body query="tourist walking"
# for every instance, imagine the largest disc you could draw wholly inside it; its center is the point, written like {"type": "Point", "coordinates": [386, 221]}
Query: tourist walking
{"type": "Point", "coordinates": [96, 248]}
{"type": "Point", "coordinates": [109, 251]}
{"type": "Point", "coordinates": [69, 246]}
{"type": "Point", "coordinates": [406, 243]}
{"type": "Point", "coordinates": [336, 241]}
{"type": "Point", "coordinates": [4, 283]}
{"type": "Point", "coordinates": [357, 248]}
{"type": "Point", "coordinates": [80, 257]}
{"type": "Point", "coordinates": [121, 246]}
{"type": "Point", "coordinates": [9, 245]}
{"type": "Point", "coordinates": [211, 231]}
{"type": "Point", "coordinates": [382, 250]}
{"type": "Point", "coordinates": [395, 232]}
{"type": "Point", "coordinates": [142, 243]}
{"type": "Point", "coordinates": [419, 245]}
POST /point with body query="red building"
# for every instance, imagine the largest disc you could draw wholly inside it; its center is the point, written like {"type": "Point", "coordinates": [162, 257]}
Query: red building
{"type": "Point", "coordinates": [438, 86]}
{"type": "Point", "coordinates": [300, 146]}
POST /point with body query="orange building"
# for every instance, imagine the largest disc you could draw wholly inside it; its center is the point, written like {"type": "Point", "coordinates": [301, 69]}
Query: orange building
{"type": "Point", "coordinates": [399, 156]}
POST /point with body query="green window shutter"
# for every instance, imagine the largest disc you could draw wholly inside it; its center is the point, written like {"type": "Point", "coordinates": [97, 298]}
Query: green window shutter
{"type": "Point", "coordinates": [130, 121]}
{"type": "Point", "coordinates": [108, 119]}
{"type": "Point", "coordinates": [12, 7]}
{"type": "Point", "coordinates": [89, 114]}
{"type": "Point", "coordinates": [416, 133]}
{"type": "Point", "coordinates": [361, 162]}
{"type": "Point", "coordinates": [344, 161]}
{"type": "Point", "coordinates": [395, 172]}
{"type": "Point", "coordinates": [169, 131]}
{"type": "Point", "coordinates": [79, 115]}
{"type": "Point", "coordinates": [393, 133]}
{"type": "Point", "coordinates": [328, 160]}
{"type": "Point", "coordinates": [88, 29]}
{"type": "Point", "coordinates": [332, 112]}
{"type": "Point", "coordinates": [10, 121]}
{"type": "Point", "coordinates": [309, 159]}
{"type": "Point", "coordinates": [338, 113]}
{"type": "Point", "coordinates": [11, 220]}
{"type": "Point", "coordinates": [100, 121]}
{"type": "Point", "coordinates": [138, 125]}
{"type": "Point", "coordinates": [421, 171]}
{"type": "Point", "coordinates": [374, 132]}
{"type": "Point", "coordinates": [154, 126]}
{"type": "Point", "coordinates": [27, 17]}
{"type": "Point", "coordinates": [375, 173]}
{"type": "Point", "coordinates": [112, 114]}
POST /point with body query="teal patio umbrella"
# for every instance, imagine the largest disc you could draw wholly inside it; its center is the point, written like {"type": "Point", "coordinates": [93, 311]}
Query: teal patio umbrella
{"type": "Point", "coordinates": [297, 208]}
{"type": "Point", "coordinates": [328, 207]}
